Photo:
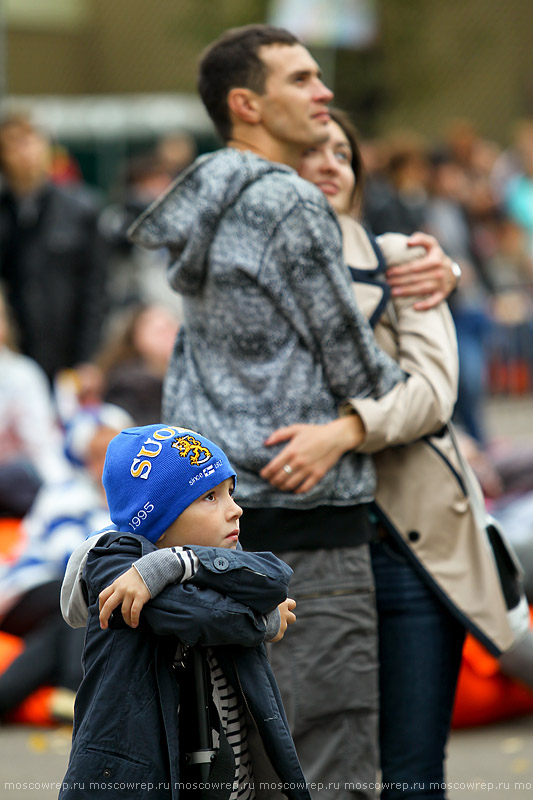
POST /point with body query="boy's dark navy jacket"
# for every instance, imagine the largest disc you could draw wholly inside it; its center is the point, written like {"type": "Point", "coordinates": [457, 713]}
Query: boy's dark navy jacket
{"type": "Point", "coordinates": [125, 738]}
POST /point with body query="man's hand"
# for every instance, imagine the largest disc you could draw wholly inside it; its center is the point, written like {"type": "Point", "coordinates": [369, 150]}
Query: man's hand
{"type": "Point", "coordinates": [431, 276]}
{"type": "Point", "coordinates": [128, 589]}
{"type": "Point", "coordinates": [287, 617]}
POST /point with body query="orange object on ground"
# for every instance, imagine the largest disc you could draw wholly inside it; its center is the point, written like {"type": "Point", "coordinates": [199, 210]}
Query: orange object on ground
{"type": "Point", "coordinates": [484, 695]}
{"type": "Point", "coordinates": [35, 709]}
{"type": "Point", "coordinates": [12, 538]}
{"type": "Point", "coordinates": [10, 648]}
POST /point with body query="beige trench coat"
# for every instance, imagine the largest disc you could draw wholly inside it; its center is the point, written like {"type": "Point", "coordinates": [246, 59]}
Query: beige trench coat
{"type": "Point", "coordinates": [420, 490]}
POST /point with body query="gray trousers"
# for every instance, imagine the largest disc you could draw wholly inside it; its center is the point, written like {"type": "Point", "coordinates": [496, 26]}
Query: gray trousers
{"type": "Point", "coordinates": [327, 670]}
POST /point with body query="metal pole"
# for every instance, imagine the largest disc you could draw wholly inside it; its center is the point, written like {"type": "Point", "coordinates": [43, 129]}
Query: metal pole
{"type": "Point", "coordinates": [204, 753]}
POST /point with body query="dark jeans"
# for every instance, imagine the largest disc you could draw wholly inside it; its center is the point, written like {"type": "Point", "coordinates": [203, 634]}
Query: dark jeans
{"type": "Point", "coordinates": [420, 645]}
{"type": "Point", "coordinates": [472, 329]}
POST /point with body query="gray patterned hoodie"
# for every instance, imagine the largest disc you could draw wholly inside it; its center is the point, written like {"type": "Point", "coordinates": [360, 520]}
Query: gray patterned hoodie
{"type": "Point", "coordinates": [271, 332]}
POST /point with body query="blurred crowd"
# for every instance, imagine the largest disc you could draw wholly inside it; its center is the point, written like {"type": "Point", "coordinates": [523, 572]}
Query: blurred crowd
{"type": "Point", "coordinates": [476, 197]}
{"type": "Point", "coordinates": [92, 314]}
{"type": "Point", "coordinates": [72, 279]}
{"type": "Point", "coordinates": [88, 323]}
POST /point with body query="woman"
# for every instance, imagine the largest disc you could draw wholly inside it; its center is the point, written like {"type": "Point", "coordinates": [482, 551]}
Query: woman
{"type": "Point", "coordinates": [134, 360]}
{"type": "Point", "coordinates": [433, 571]}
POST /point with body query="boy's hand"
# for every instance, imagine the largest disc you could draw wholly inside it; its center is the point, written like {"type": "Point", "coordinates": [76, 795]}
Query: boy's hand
{"type": "Point", "coordinates": [128, 589]}
{"type": "Point", "coordinates": [287, 617]}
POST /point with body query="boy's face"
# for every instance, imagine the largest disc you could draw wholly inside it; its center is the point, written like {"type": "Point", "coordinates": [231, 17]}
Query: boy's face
{"type": "Point", "coordinates": [211, 521]}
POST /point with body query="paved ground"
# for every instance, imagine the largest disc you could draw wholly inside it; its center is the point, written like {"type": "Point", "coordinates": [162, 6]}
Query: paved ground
{"type": "Point", "coordinates": [494, 761]}
{"type": "Point", "coordinates": [511, 418]}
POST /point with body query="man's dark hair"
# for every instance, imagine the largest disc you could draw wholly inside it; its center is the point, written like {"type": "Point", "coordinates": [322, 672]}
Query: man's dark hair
{"type": "Point", "coordinates": [233, 61]}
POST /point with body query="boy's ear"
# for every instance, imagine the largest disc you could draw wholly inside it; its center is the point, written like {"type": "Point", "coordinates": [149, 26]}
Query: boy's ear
{"type": "Point", "coordinates": [159, 542]}
{"type": "Point", "coordinates": [244, 105]}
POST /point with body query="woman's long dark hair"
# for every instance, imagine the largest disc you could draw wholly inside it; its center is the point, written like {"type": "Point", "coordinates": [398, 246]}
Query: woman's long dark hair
{"type": "Point", "coordinates": [344, 122]}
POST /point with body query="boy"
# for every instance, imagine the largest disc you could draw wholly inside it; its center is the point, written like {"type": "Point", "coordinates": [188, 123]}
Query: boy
{"type": "Point", "coordinates": [169, 492]}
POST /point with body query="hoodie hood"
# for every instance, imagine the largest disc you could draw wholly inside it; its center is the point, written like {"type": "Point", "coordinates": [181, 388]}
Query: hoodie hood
{"type": "Point", "coordinates": [185, 218]}
{"type": "Point", "coordinates": [73, 600]}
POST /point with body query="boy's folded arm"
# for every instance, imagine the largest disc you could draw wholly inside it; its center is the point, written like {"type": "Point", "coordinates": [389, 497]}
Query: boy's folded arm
{"type": "Point", "coordinates": [195, 614]}
{"type": "Point", "coordinates": [259, 580]}
{"type": "Point", "coordinates": [205, 617]}
{"type": "Point", "coordinates": [109, 558]}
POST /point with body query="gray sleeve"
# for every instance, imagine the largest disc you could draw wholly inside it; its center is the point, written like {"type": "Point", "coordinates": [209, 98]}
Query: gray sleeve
{"type": "Point", "coordinates": [272, 622]}
{"type": "Point", "coordinates": [169, 565]}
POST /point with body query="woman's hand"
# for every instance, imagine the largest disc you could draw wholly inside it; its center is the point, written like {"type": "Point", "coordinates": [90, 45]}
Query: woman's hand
{"type": "Point", "coordinates": [431, 276]}
{"type": "Point", "coordinates": [312, 450]}
{"type": "Point", "coordinates": [286, 618]}
{"type": "Point", "coordinates": [128, 589]}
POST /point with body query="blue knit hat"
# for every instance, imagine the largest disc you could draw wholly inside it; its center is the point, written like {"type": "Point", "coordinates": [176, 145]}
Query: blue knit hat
{"type": "Point", "coordinates": [153, 473]}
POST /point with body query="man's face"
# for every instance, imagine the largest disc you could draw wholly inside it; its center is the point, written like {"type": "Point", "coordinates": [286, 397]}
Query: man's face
{"type": "Point", "coordinates": [294, 106]}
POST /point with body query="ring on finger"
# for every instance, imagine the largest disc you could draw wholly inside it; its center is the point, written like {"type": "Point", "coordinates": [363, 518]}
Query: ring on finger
{"type": "Point", "coordinates": [287, 469]}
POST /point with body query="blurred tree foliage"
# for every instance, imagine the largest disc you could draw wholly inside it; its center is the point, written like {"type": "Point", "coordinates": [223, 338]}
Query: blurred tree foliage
{"type": "Point", "coordinates": [196, 23]}
{"type": "Point", "coordinates": [432, 61]}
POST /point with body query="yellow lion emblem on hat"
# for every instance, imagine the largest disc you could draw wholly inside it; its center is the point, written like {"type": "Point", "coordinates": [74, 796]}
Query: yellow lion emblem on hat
{"type": "Point", "coordinates": [189, 446]}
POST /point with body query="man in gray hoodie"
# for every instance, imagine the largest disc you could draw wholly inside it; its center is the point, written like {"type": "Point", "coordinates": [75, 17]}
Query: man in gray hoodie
{"type": "Point", "coordinates": [272, 336]}
{"type": "Point", "coordinates": [271, 333]}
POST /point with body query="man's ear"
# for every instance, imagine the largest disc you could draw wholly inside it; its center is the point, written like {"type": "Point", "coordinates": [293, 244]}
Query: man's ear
{"type": "Point", "coordinates": [244, 104]}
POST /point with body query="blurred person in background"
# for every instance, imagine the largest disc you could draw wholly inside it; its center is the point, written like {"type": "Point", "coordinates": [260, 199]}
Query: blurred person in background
{"type": "Point", "coordinates": [511, 265]}
{"type": "Point", "coordinates": [436, 195]}
{"type": "Point", "coordinates": [509, 163]}
{"type": "Point", "coordinates": [31, 451]}
{"type": "Point", "coordinates": [62, 516]}
{"type": "Point", "coordinates": [52, 259]}
{"type": "Point", "coordinates": [137, 275]}
{"type": "Point", "coordinates": [518, 195]}
{"type": "Point", "coordinates": [403, 208]}
{"type": "Point", "coordinates": [475, 157]}
{"type": "Point", "coordinates": [144, 179]}
{"type": "Point", "coordinates": [134, 361]}
{"type": "Point", "coordinates": [129, 367]}
{"type": "Point", "coordinates": [175, 152]}
{"type": "Point", "coordinates": [447, 218]}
